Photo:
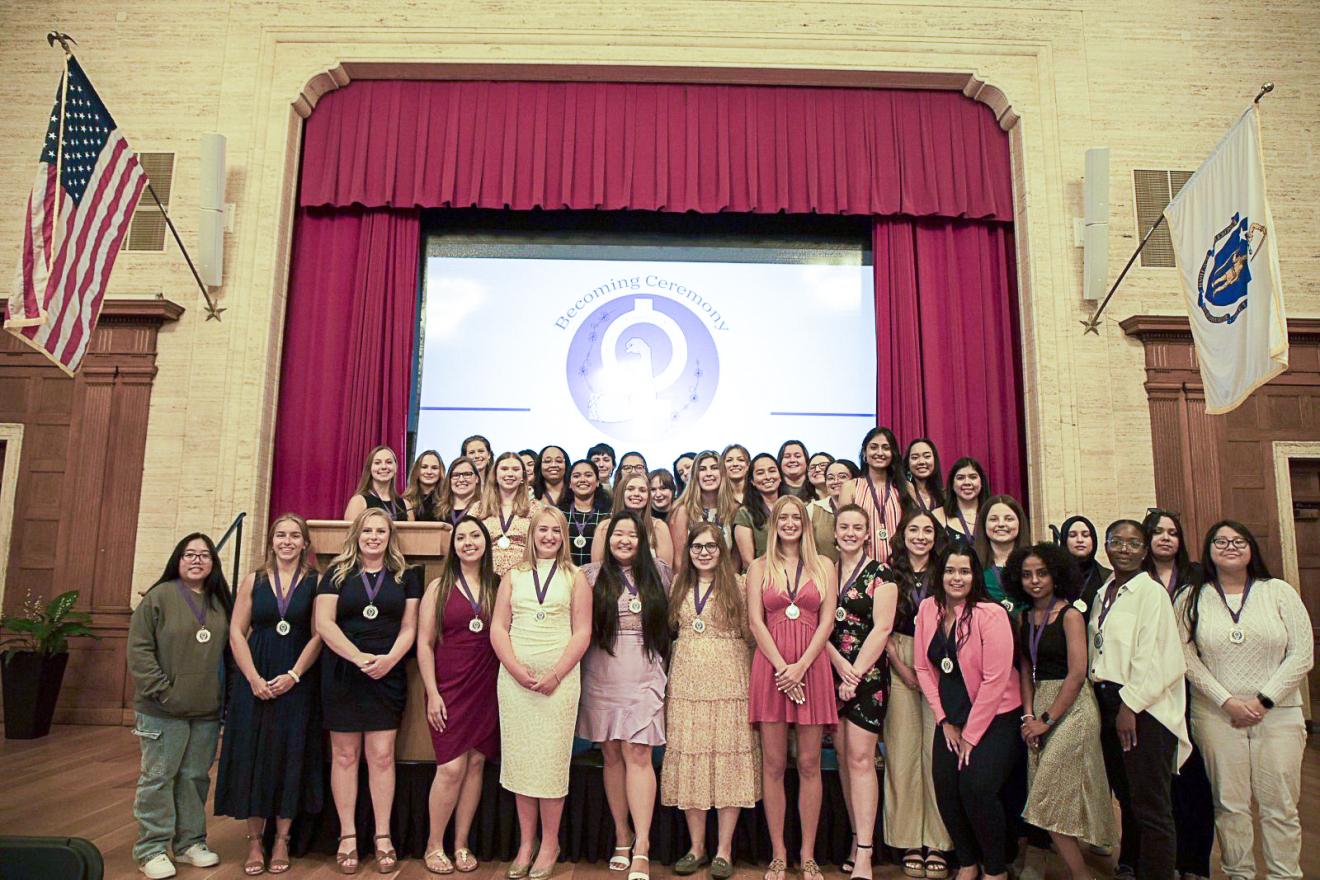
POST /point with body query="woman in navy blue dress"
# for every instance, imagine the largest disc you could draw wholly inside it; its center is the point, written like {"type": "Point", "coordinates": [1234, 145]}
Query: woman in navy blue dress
{"type": "Point", "coordinates": [366, 612]}
{"type": "Point", "coordinates": [270, 761]}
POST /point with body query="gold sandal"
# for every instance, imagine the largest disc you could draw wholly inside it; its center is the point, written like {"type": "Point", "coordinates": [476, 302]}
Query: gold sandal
{"type": "Point", "coordinates": [279, 866]}
{"type": "Point", "coordinates": [437, 862]}
{"type": "Point", "coordinates": [254, 867]}
{"type": "Point", "coordinates": [777, 869]}
{"type": "Point", "coordinates": [811, 870]}
{"type": "Point", "coordinates": [386, 859]}
{"type": "Point", "coordinates": [348, 861]}
{"type": "Point", "coordinates": [465, 861]}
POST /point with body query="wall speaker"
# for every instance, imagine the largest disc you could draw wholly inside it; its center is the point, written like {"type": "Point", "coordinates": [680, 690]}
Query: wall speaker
{"type": "Point", "coordinates": [1095, 224]}
{"type": "Point", "coordinates": [211, 228]}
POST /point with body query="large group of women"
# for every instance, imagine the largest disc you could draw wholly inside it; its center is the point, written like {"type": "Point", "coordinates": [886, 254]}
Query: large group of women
{"type": "Point", "coordinates": [723, 610]}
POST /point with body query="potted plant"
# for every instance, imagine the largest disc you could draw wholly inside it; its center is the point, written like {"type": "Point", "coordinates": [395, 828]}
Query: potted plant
{"type": "Point", "coordinates": [35, 647]}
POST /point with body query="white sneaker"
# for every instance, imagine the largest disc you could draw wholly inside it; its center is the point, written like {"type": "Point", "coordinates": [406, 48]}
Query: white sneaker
{"type": "Point", "coordinates": [158, 867]}
{"type": "Point", "coordinates": [198, 856]}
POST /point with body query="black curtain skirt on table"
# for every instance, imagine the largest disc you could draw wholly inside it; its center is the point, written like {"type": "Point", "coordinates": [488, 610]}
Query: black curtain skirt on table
{"type": "Point", "coordinates": [586, 832]}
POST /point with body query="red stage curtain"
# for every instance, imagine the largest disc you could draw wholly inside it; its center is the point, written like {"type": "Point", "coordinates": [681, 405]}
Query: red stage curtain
{"type": "Point", "coordinates": [348, 353]}
{"type": "Point", "coordinates": [656, 147]}
{"type": "Point", "coordinates": [947, 351]}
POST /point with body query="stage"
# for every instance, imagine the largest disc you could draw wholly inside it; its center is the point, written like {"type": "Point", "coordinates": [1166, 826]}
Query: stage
{"type": "Point", "coordinates": [79, 782]}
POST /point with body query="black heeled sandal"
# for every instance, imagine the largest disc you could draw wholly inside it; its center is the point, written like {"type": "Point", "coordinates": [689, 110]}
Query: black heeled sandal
{"type": "Point", "coordinates": [848, 863]}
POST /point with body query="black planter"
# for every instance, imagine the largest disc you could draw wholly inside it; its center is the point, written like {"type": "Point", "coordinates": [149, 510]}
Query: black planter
{"type": "Point", "coordinates": [31, 687]}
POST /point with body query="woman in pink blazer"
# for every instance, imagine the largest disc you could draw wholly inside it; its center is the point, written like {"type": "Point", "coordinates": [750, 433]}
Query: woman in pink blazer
{"type": "Point", "coordinates": [963, 655]}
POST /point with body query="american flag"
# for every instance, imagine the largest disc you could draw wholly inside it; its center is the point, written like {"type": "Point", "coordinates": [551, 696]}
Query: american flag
{"type": "Point", "coordinates": [74, 225]}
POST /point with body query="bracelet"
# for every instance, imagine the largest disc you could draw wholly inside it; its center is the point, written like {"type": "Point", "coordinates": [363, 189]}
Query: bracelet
{"type": "Point", "coordinates": [1027, 717]}
{"type": "Point", "coordinates": [297, 679]}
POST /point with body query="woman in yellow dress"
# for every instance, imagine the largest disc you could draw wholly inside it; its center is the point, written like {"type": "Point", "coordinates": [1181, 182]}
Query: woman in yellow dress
{"type": "Point", "coordinates": [540, 629]}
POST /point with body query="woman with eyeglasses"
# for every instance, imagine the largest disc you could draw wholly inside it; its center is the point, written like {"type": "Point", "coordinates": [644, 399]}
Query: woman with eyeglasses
{"type": "Point", "coordinates": [822, 510]}
{"type": "Point", "coordinates": [965, 494]}
{"type": "Point", "coordinates": [458, 667]}
{"type": "Point", "coordinates": [751, 524]}
{"type": "Point", "coordinates": [631, 464]}
{"type": "Point", "coordinates": [964, 659]}
{"type": "Point", "coordinates": [1193, 801]}
{"type": "Point", "coordinates": [713, 755]}
{"type": "Point", "coordinates": [270, 759]}
{"type": "Point", "coordinates": [623, 680]}
{"type": "Point", "coordinates": [505, 510]}
{"type": "Point", "coordinates": [176, 646]}
{"type": "Point", "coordinates": [1137, 670]}
{"type": "Point", "coordinates": [816, 467]}
{"type": "Point", "coordinates": [863, 620]}
{"type": "Point", "coordinates": [879, 490]}
{"type": "Point", "coordinates": [1248, 646]}
{"type": "Point", "coordinates": [925, 482]}
{"type": "Point", "coordinates": [912, 820]}
{"type": "Point", "coordinates": [790, 610]}
{"type": "Point", "coordinates": [376, 488]}
{"type": "Point", "coordinates": [549, 485]}
{"type": "Point", "coordinates": [461, 492]}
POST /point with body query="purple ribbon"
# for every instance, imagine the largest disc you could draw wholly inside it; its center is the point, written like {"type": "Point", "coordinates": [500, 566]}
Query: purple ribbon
{"type": "Point", "coordinates": [797, 581]}
{"type": "Point", "coordinates": [628, 582]}
{"type": "Point", "coordinates": [282, 601]}
{"type": "Point", "coordinates": [876, 499]}
{"type": "Point", "coordinates": [1105, 605]}
{"type": "Point", "coordinates": [372, 592]}
{"type": "Point", "coordinates": [844, 585]}
{"type": "Point", "coordinates": [536, 580]}
{"type": "Point", "coordinates": [1243, 607]}
{"type": "Point", "coordinates": [967, 530]}
{"type": "Point", "coordinates": [923, 585]}
{"type": "Point", "coordinates": [199, 612]}
{"type": "Point", "coordinates": [467, 594]}
{"type": "Point", "coordinates": [1036, 633]}
{"type": "Point", "coordinates": [504, 525]}
{"type": "Point", "coordinates": [700, 601]}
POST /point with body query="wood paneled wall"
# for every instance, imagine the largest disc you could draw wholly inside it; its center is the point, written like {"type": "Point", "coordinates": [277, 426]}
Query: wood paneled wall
{"type": "Point", "coordinates": [1209, 467]}
{"type": "Point", "coordinates": [79, 489]}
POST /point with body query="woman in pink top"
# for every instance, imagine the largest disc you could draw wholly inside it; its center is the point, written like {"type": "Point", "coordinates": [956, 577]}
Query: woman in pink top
{"type": "Point", "coordinates": [963, 655]}
{"type": "Point", "coordinates": [790, 611]}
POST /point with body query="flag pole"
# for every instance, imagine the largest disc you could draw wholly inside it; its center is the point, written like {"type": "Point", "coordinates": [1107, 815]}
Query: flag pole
{"type": "Point", "coordinates": [1092, 324]}
{"type": "Point", "coordinates": [212, 313]}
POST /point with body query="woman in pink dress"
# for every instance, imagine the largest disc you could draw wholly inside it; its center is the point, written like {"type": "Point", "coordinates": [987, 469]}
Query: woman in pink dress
{"type": "Point", "coordinates": [458, 669]}
{"type": "Point", "coordinates": [790, 609]}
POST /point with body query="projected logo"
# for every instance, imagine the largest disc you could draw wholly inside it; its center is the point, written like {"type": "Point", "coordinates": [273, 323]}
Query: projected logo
{"type": "Point", "coordinates": [642, 364]}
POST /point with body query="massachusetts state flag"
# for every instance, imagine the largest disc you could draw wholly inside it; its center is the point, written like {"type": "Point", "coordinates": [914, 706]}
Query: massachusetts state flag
{"type": "Point", "coordinates": [1226, 249]}
{"type": "Point", "coordinates": [74, 225]}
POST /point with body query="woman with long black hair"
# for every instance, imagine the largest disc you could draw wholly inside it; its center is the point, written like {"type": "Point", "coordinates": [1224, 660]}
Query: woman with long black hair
{"type": "Point", "coordinates": [458, 668]}
{"type": "Point", "coordinates": [925, 482]}
{"type": "Point", "coordinates": [1248, 646]}
{"type": "Point", "coordinates": [623, 681]}
{"type": "Point", "coordinates": [584, 506]}
{"type": "Point", "coordinates": [968, 489]}
{"type": "Point", "coordinates": [176, 646]}
{"type": "Point", "coordinates": [1193, 800]}
{"type": "Point", "coordinates": [879, 490]}
{"type": "Point", "coordinates": [964, 658]}
{"type": "Point", "coordinates": [550, 486]}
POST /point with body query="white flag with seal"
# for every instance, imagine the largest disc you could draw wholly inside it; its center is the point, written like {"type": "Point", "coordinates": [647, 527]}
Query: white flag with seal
{"type": "Point", "coordinates": [1224, 243]}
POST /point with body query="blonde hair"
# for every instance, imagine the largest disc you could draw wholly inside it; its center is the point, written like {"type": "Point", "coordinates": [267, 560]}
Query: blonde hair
{"type": "Point", "coordinates": [774, 560]}
{"type": "Point", "coordinates": [413, 494]}
{"type": "Point", "coordinates": [729, 602]}
{"type": "Point", "coordinates": [306, 562]}
{"type": "Point", "coordinates": [489, 503]}
{"type": "Point", "coordinates": [619, 505]}
{"type": "Point", "coordinates": [365, 483]}
{"type": "Point", "coordinates": [690, 501]}
{"type": "Point", "coordinates": [563, 557]}
{"type": "Point", "coordinates": [351, 556]}
{"type": "Point", "coordinates": [445, 506]}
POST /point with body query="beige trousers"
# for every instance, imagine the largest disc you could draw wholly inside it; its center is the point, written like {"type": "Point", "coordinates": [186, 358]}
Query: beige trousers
{"type": "Point", "coordinates": [1263, 762]}
{"type": "Point", "coordinates": [912, 819]}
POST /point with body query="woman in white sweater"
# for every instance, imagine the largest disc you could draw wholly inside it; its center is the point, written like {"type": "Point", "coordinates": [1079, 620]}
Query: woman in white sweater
{"type": "Point", "coordinates": [1248, 649]}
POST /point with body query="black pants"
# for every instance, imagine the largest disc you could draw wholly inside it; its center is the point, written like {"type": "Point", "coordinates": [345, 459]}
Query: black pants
{"type": "Point", "coordinates": [970, 799]}
{"type": "Point", "coordinates": [1194, 816]}
{"type": "Point", "coordinates": [1142, 781]}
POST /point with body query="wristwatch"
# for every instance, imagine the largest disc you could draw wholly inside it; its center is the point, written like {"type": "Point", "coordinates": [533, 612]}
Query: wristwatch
{"type": "Point", "coordinates": [1265, 701]}
{"type": "Point", "coordinates": [1046, 719]}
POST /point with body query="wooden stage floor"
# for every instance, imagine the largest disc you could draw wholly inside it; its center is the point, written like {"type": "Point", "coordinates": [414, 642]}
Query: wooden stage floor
{"type": "Point", "coordinates": [79, 782]}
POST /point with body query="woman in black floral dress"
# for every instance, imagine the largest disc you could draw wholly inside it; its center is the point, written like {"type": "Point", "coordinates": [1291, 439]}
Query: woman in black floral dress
{"type": "Point", "coordinates": [862, 623]}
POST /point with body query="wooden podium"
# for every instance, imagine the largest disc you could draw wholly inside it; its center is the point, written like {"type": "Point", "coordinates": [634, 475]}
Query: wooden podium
{"type": "Point", "coordinates": [425, 545]}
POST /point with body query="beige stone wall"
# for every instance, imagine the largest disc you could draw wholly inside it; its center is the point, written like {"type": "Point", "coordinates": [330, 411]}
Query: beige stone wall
{"type": "Point", "coordinates": [1157, 82]}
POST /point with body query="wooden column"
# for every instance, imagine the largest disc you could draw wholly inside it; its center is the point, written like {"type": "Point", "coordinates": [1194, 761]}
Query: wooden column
{"type": "Point", "coordinates": [80, 486]}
